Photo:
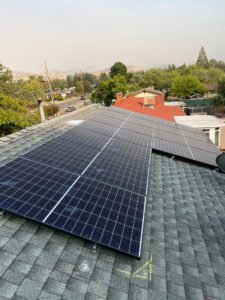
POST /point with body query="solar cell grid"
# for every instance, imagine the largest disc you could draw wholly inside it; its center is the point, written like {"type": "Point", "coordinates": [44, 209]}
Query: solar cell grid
{"type": "Point", "coordinates": [139, 129]}
{"type": "Point", "coordinates": [134, 137]}
{"type": "Point", "coordinates": [169, 129]}
{"type": "Point", "coordinates": [146, 123]}
{"type": "Point", "coordinates": [167, 136]}
{"type": "Point", "coordinates": [112, 114]}
{"type": "Point", "coordinates": [82, 136]}
{"type": "Point", "coordinates": [126, 149]}
{"type": "Point", "coordinates": [160, 122]}
{"type": "Point", "coordinates": [119, 110]}
{"type": "Point", "coordinates": [77, 156]}
{"type": "Point", "coordinates": [95, 126]}
{"type": "Point", "coordinates": [204, 146]}
{"type": "Point", "coordinates": [30, 189]}
{"type": "Point", "coordinates": [108, 120]}
{"type": "Point", "coordinates": [172, 148]}
{"type": "Point", "coordinates": [190, 129]}
{"type": "Point", "coordinates": [103, 214]}
{"type": "Point", "coordinates": [128, 173]}
{"type": "Point", "coordinates": [199, 137]}
{"type": "Point", "coordinates": [202, 156]}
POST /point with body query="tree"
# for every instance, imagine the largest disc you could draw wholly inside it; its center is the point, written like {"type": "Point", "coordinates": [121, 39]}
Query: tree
{"type": "Point", "coordinates": [217, 64]}
{"type": "Point", "coordinates": [31, 90]}
{"type": "Point", "coordinates": [79, 87]}
{"type": "Point", "coordinates": [107, 90]}
{"type": "Point", "coordinates": [158, 78]}
{"type": "Point", "coordinates": [14, 115]}
{"type": "Point", "coordinates": [118, 69]}
{"type": "Point", "coordinates": [103, 77]}
{"type": "Point", "coordinates": [87, 86]}
{"type": "Point", "coordinates": [202, 60]}
{"type": "Point", "coordinates": [58, 84]}
{"type": "Point", "coordinates": [185, 86]}
{"type": "Point", "coordinates": [209, 75]}
{"type": "Point", "coordinates": [5, 80]}
{"type": "Point", "coordinates": [69, 80]}
{"type": "Point", "coordinates": [221, 88]}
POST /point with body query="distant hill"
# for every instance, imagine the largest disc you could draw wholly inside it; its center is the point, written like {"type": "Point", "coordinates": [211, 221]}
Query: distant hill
{"type": "Point", "coordinates": [17, 75]}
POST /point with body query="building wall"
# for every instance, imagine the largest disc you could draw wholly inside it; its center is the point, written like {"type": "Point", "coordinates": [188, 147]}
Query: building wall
{"type": "Point", "coordinates": [145, 95]}
{"type": "Point", "coordinates": [222, 137]}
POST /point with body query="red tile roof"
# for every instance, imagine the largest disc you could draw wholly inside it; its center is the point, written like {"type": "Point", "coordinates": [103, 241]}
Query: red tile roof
{"type": "Point", "coordinates": [160, 110]}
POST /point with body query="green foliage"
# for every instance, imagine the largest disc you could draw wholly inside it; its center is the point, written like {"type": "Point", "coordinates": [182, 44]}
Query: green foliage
{"type": "Point", "coordinates": [87, 86]}
{"type": "Point", "coordinates": [58, 84]}
{"type": "Point", "coordinates": [185, 86]}
{"type": "Point", "coordinates": [78, 77]}
{"type": "Point", "coordinates": [202, 59]}
{"type": "Point", "coordinates": [29, 91]}
{"type": "Point", "coordinates": [14, 115]}
{"type": "Point", "coordinates": [118, 69]}
{"type": "Point", "coordinates": [58, 97]}
{"type": "Point", "coordinates": [69, 81]}
{"type": "Point", "coordinates": [79, 87]}
{"type": "Point", "coordinates": [108, 89]}
{"type": "Point", "coordinates": [209, 75]}
{"type": "Point", "coordinates": [5, 80]}
{"type": "Point", "coordinates": [51, 110]}
{"type": "Point", "coordinates": [158, 78]}
{"type": "Point", "coordinates": [221, 88]}
{"type": "Point", "coordinates": [103, 77]}
{"type": "Point", "coordinates": [217, 64]}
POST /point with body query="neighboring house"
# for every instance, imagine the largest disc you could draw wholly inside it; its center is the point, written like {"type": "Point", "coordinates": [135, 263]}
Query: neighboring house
{"type": "Point", "coordinates": [149, 102]}
{"type": "Point", "coordinates": [213, 127]}
{"type": "Point", "coordinates": [211, 89]}
{"type": "Point", "coordinates": [183, 239]}
{"type": "Point", "coordinates": [180, 104]}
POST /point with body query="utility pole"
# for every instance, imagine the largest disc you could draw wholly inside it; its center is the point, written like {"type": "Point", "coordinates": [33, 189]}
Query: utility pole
{"type": "Point", "coordinates": [82, 83]}
{"type": "Point", "coordinates": [49, 82]}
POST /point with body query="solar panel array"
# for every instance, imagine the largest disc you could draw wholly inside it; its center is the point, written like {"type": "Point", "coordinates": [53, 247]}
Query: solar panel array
{"type": "Point", "coordinates": [168, 137]}
{"type": "Point", "coordinates": [92, 180]}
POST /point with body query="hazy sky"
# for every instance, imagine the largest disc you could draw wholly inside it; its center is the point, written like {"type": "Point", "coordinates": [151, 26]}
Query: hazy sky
{"type": "Point", "coordinates": [75, 34]}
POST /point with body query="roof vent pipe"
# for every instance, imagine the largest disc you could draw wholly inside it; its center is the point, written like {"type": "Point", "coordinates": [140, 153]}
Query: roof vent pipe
{"type": "Point", "coordinates": [41, 109]}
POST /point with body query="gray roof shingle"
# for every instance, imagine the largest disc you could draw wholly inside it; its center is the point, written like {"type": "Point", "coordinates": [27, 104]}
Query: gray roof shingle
{"type": "Point", "coordinates": [183, 252]}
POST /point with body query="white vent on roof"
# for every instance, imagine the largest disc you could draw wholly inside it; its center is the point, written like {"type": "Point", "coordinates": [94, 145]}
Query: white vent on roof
{"type": "Point", "coordinates": [84, 267]}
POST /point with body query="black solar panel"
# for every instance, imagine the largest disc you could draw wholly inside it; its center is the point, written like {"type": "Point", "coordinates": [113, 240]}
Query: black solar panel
{"type": "Point", "coordinates": [128, 173]}
{"type": "Point", "coordinates": [102, 213]}
{"type": "Point", "coordinates": [172, 148]}
{"type": "Point", "coordinates": [71, 152]}
{"type": "Point", "coordinates": [126, 149]}
{"type": "Point", "coordinates": [171, 138]}
{"type": "Point", "coordinates": [202, 145]}
{"type": "Point", "coordinates": [108, 120]}
{"type": "Point", "coordinates": [134, 137]}
{"type": "Point", "coordinates": [139, 129]}
{"type": "Point", "coordinates": [80, 183]}
{"type": "Point", "coordinates": [94, 126]}
{"type": "Point", "coordinates": [31, 189]}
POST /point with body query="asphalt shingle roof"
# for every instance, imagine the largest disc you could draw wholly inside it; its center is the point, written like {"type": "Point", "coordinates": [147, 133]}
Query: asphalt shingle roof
{"type": "Point", "coordinates": [183, 252]}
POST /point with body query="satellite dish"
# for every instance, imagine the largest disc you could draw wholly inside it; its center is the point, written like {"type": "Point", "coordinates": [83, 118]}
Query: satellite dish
{"type": "Point", "coordinates": [220, 160]}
